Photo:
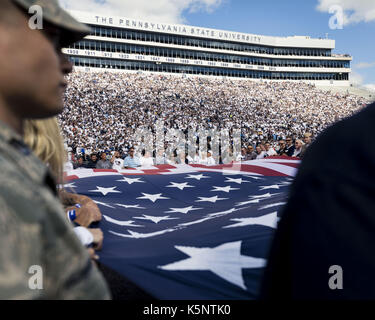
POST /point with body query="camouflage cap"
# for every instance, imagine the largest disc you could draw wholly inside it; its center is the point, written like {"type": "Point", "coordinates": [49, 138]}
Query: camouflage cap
{"type": "Point", "coordinates": [72, 30]}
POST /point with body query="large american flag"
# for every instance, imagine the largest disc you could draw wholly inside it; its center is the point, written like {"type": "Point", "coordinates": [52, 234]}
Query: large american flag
{"type": "Point", "coordinates": [190, 231]}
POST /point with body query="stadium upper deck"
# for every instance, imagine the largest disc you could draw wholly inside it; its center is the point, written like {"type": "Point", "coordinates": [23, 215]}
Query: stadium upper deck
{"type": "Point", "coordinates": [121, 44]}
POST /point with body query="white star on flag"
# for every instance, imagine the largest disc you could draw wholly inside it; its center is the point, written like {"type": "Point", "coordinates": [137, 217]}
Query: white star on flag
{"type": "Point", "coordinates": [183, 210]}
{"type": "Point", "coordinates": [197, 177]}
{"type": "Point", "coordinates": [226, 189]}
{"type": "Point", "coordinates": [269, 220]}
{"type": "Point", "coordinates": [244, 203]}
{"type": "Point", "coordinates": [152, 197]}
{"type": "Point", "coordinates": [154, 219]}
{"type": "Point", "coordinates": [211, 199]}
{"type": "Point", "coordinates": [255, 178]}
{"type": "Point", "coordinates": [104, 204]}
{"type": "Point", "coordinates": [137, 235]}
{"type": "Point", "coordinates": [180, 186]}
{"type": "Point", "coordinates": [128, 206]}
{"type": "Point", "coordinates": [225, 261]}
{"type": "Point", "coordinates": [272, 205]}
{"type": "Point", "coordinates": [131, 181]}
{"type": "Point", "coordinates": [128, 223]}
{"type": "Point", "coordinates": [285, 183]}
{"type": "Point", "coordinates": [105, 191]}
{"type": "Point", "coordinates": [264, 196]}
{"type": "Point", "coordinates": [70, 185]}
{"type": "Point", "coordinates": [238, 181]}
{"type": "Point", "coordinates": [275, 186]}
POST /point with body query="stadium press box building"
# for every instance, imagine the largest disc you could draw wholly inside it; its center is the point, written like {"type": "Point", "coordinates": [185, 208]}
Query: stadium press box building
{"type": "Point", "coordinates": [122, 44]}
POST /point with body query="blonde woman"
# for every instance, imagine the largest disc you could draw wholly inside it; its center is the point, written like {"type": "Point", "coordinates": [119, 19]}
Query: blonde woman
{"type": "Point", "coordinates": [44, 138]}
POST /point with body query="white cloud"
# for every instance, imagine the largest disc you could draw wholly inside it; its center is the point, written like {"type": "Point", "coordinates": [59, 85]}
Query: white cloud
{"type": "Point", "coordinates": [370, 86]}
{"type": "Point", "coordinates": [354, 10]}
{"type": "Point", "coordinates": [356, 78]}
{"type": "Point", "coordinates": [365, 65]}
{"type": "Point", "coordinates": [168, 11]}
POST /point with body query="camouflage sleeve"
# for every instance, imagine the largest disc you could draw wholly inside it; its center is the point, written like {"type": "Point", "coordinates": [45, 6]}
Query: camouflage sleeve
{"type": "Point", "coordinates": [20, 250]}
{"type": "Point", "coordinates": [70, 273]}
{"type": "Point", "coordinates": [34, 233]}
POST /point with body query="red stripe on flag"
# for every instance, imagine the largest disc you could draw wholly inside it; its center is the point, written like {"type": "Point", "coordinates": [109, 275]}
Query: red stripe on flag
{"type": "Point", "coordinates": [283, 158]}
{"type": "Point", "coordinates": [263, 171]}
{"type": "Point", "coordinates": [246, 168]}
{"type": "Point", "coordinates": [165, 166]}
{"type": "Point", "coordinates": [293, 165]}
{"type": "Point", "coordinates": [70, 178]}
{"type": "Point", "coordinates": [154, 171]}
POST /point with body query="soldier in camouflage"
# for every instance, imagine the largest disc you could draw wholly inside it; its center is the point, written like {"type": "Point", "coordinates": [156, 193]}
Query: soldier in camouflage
{"type": "Point", "coordinates": [33, 228]}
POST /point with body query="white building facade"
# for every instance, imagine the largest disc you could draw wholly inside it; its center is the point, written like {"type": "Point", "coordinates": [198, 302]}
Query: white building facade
{"type": "Point", "coordinates": [119, 44]}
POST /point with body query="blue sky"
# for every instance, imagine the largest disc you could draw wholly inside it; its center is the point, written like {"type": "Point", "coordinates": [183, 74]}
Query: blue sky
{"type": "Point", "coordinates": [295, 17]}
{"type": "Point", "coordinates": [264, 17]}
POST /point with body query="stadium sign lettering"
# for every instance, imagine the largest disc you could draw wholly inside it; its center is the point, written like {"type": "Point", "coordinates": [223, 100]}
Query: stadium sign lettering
{"type": "Point", "coordinates": [177, 29]}
{"type": "Point", "coordinates": [122, 56]}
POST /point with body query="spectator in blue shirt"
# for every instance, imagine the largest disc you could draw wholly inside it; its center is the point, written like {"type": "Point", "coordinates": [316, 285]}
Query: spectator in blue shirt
{"type": "Point", "coordinates": [131, 161]}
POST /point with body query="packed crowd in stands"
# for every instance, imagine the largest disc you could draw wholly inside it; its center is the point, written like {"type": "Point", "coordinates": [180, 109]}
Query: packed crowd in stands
{"type": "Point", "coordinates": [103, 111]}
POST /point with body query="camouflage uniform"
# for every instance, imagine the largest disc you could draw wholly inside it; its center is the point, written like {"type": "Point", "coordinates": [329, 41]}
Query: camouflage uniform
{"type": "Point", "coordinates": [34, 230]}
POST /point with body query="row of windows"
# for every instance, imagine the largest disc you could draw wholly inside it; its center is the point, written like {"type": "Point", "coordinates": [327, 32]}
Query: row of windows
{"type": "Point", "coordinates": [173, 68]}
{"type": "Point", "coordinates": [197, 55]}
{"type": "Point", "coordinates": [204, 43]}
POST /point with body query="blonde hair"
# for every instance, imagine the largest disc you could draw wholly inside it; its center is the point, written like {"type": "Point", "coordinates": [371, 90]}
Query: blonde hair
{"type": "Point", "coordinates": [300, 142]}
{"type": "Point", "coordinates": [45, 140]}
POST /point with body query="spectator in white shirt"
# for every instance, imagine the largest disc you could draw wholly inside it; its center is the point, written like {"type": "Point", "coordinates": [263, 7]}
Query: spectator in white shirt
{"type": "Point", "coordinates": [299, 148]}
{"type": "Point", "coordinates": [196, 160]}
{"type": "Point", "coordinates": [260, 153]}
{"type": "Point", "coordinates": [147, 160]}
{"type": "Point", "coordinates": [117, 162]}
{"type": "Point", "coordinates": [269, 150]}
{"type": "Point", "coordinates": [160, 158]}
{"type": "Point", "coordinates": [208, 160]}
